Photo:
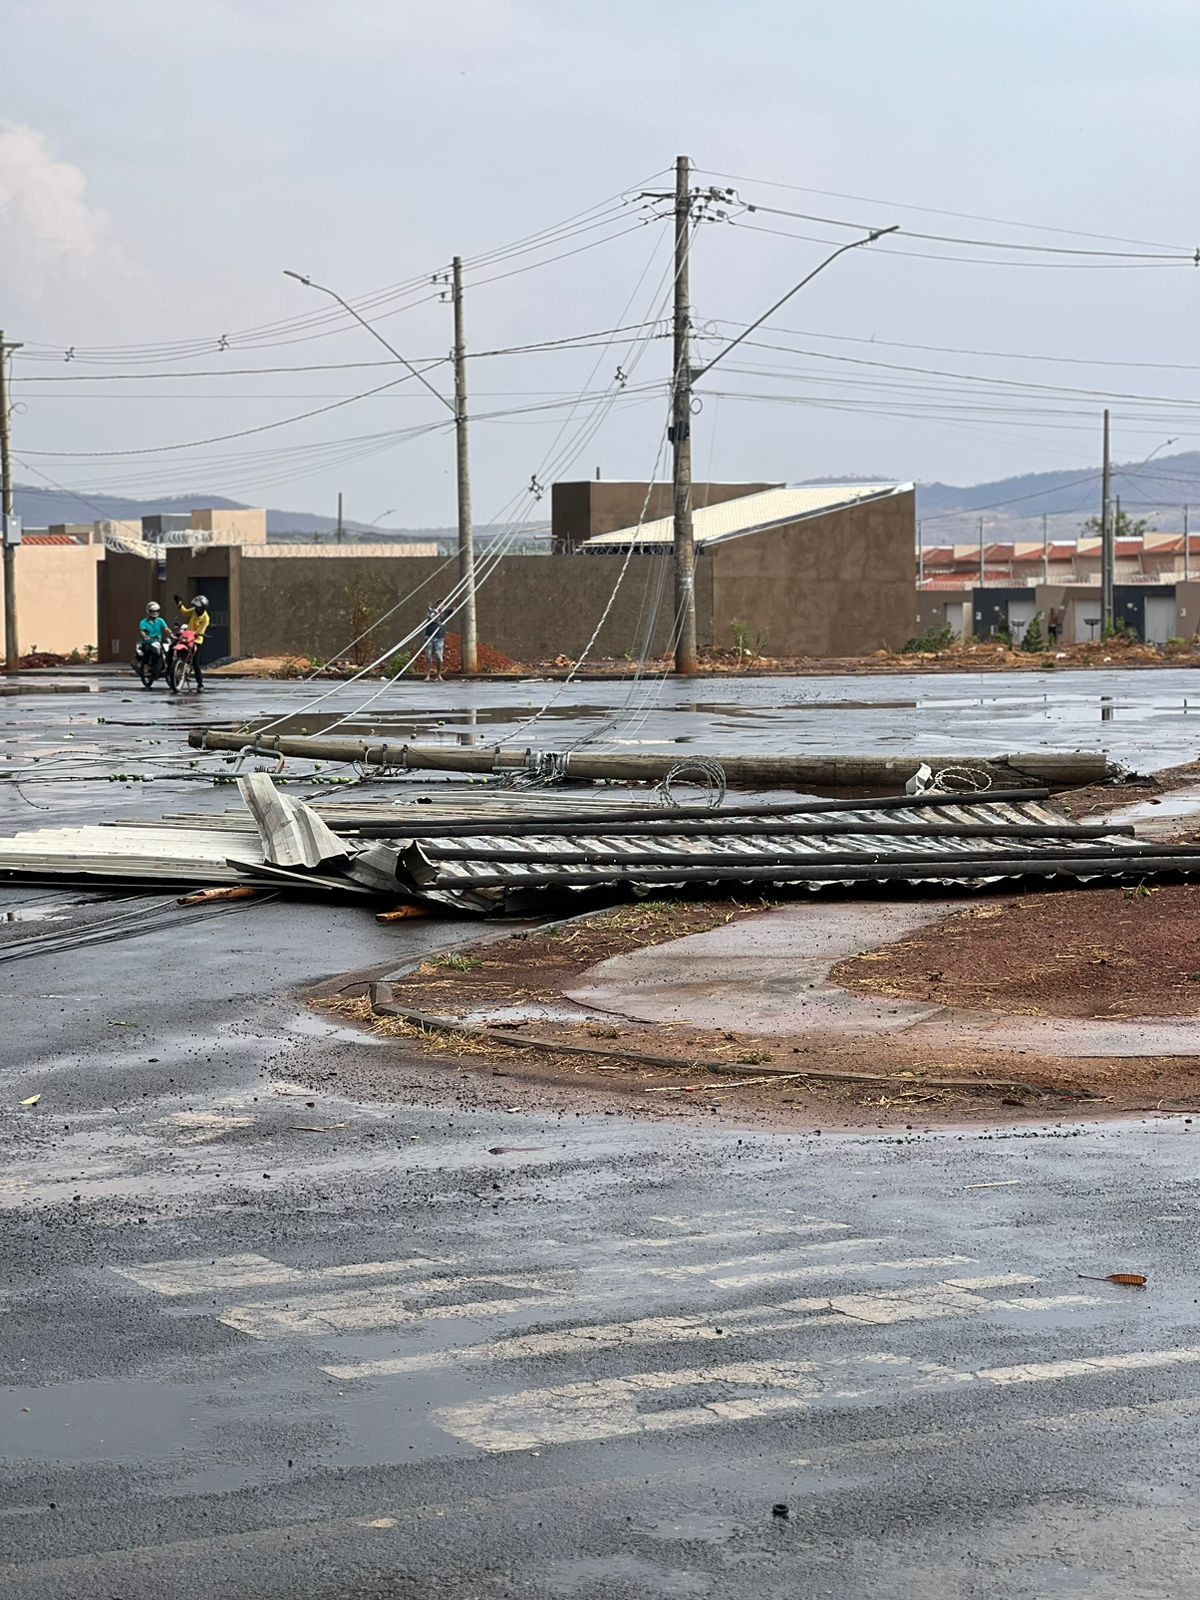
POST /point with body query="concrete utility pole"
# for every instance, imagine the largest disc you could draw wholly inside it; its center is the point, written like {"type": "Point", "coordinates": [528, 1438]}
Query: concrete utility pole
{"type": "Point", "coordinates": [1107, 547]}
{"type": "Point", "coordinates": [920, 554]}
{"type": "Point", "coordinates": [681, 430]}
{"type": "Point", "coordinates": [1186, 567]}
{"type": "Point", "coordinates": [1045, 551]}
{"type": "Point", "coordinates": [12, 653]}
{"type": "Point", "coordinates": [982, 565]}
{"type": "Point", "coordinates": [466, 532]}
{"type": "Point", "coordinates": [338, 535]}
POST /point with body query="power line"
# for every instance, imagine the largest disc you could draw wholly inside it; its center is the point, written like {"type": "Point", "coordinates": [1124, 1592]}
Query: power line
{"type": "Point", "coordinates": [937, 211]}
{"type": "Point", "coordinates": [1192, 257]}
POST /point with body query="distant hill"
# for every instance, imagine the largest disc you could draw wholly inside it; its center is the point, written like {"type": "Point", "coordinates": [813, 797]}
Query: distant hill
{"type": "Point", "coordinates": [37, 508]}
{"type": "Point", "coordinates": [1013, 507]}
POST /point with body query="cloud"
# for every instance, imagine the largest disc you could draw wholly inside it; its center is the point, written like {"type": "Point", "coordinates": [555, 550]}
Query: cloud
{"type": "Point", "coordinates": [43, 211]}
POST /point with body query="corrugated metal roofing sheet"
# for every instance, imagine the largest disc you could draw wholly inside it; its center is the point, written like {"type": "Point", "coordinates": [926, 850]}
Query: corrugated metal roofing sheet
{"type": "Point", "coordinates": [748, 514]}
{"type": "Point", "coordinates": [957, 843]}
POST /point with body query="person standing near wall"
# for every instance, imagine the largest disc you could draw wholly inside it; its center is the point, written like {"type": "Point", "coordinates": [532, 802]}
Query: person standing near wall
{"type": "Point", "coordinates": [435, 644]}
{"type": "Point", "coordinates": [1052, 626]}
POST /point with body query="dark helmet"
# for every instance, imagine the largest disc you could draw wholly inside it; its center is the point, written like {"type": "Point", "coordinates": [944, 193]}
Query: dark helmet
{"type": "Point", "coordinates": [200, 603]}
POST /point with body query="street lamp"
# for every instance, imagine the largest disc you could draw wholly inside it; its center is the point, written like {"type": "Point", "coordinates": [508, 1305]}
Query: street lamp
{"type": "Point", "coordinates": [375, 521]}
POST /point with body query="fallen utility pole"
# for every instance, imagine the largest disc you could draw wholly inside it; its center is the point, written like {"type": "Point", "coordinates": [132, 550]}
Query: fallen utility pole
{"type": "Point", "coordinates": [466, 533]}
{"type": "Point", "coordinates": [1073, 767]}
{"type": "Point", "coordinates": [12, 650]}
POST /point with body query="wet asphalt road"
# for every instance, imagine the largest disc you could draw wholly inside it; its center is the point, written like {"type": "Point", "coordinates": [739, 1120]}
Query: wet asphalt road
{"type": "Point", "coordinates": [439, 1348]}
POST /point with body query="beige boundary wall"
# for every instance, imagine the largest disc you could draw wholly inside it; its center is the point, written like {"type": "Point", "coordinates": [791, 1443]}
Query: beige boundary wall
{"type": "Point", "coordinates": [56, 596]}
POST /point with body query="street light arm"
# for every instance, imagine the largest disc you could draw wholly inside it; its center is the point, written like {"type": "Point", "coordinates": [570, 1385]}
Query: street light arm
{"type": "Point", "coordinates": [869, 238]}
{"type": "Point", "coordinates": [371, 329]}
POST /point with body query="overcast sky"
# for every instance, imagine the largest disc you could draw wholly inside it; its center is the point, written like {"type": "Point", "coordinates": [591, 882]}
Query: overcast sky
{"type": "Point", "coordinates": [162, 162]}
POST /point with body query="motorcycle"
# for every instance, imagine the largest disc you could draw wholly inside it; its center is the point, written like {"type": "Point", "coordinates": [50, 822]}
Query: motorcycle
{"type": "Point", "coordinates": [183, 652]}
{"type": "Point", "coordinates": [152, 661]}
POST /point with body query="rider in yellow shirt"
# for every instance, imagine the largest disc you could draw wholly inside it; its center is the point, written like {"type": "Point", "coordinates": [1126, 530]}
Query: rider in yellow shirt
{"type": "Point", "coordinates": [196, 618]}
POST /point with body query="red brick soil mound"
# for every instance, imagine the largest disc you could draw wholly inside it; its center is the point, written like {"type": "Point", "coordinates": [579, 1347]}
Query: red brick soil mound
{"type": "Point", "coordinates": [1105, 953]}
{"type": "Point", "coordinates": [489, 660]}
{"type": "Point", "coordinates": [42, 658]}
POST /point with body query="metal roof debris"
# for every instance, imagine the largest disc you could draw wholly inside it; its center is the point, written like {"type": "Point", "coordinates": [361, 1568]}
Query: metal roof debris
{"type": "Point", "coordinates": [489, 850]}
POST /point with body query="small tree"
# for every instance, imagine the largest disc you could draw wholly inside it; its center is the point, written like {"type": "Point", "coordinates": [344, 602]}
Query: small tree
{"type": "Point", "coordinates": [1124, 526]}
{"type": "Point", "coordinates": [1033, 640]}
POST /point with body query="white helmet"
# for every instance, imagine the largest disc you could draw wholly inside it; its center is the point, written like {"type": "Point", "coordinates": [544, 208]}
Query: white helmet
{"type": "Point", "coordinates": [153, 609]}
{"type": "Point", "coordinates": [200, 603]}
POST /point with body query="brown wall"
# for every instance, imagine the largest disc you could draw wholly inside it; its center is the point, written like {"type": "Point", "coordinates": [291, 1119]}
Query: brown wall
{"type": "Point", "coordinates": [840, 584]}
{"type": "Point", "coordinates": [530, 607]}
{"type": "Point", "coordinates": [127, 582]}
{"type": "Point", "coordinates": [591, 506]}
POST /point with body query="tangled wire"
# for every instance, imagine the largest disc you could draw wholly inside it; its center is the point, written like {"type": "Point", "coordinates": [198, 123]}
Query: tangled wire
{"type": "Point", "coordinates": [700, 772]}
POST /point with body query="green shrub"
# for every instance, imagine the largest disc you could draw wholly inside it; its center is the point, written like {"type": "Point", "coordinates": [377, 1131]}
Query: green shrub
{"type": "Point", "coordinates": [932, 642]}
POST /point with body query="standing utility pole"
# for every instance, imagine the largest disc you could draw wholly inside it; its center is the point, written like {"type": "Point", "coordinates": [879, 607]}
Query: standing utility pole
{"type": "Point", "coordinates": [1107, 550]}
{"type": "Point", "coordinates": [12, 654]}
{"type": "Point", "coordinates": [920, 554]}
{"type": "Point", "coordinates": [1045, 551]}
{"type": "Point", "coordinates": [338, 535]}
{"type": "Point", "coordinates": [681, 432]}
{"type": "Point", "coordinates": [1187, 571]}
{"type": "Point", "coordinates": [466, 534]}
{"type": "Point", "coordinates": [982, 569]}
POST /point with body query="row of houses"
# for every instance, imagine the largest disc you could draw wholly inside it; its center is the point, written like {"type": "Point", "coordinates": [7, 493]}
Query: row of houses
{"type": "Point", "coordinates": [982, 590]}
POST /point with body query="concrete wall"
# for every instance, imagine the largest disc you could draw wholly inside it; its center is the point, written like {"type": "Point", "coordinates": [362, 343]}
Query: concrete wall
{"type": "Point", "coordinates": [232, 527]}
{"type": "Point", "coordinates": [530, 608]}
{"type": "Point", "coordinates": [1187, 609]}
{"type": "Point", "coordinates": [127, 582]}
{"type": "Point", "coordinates": [591, 506]}
{"type": "Point", "coordinates": [56, 596]}
{"type": "Point", "coordinates": [939, 608]}
{"type": "Point", "coordinates": [338, 552]}
{"type": "Point", "coordinates": [840, 584]}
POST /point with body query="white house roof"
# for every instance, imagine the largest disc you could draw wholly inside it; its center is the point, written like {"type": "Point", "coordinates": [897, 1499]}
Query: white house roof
{"type": "Point", "coordinates": [749, 513]}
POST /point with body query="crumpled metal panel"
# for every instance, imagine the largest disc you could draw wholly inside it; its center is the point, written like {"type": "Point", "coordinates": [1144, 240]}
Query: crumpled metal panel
{"type": "Point", "coordinates": [292, 834]}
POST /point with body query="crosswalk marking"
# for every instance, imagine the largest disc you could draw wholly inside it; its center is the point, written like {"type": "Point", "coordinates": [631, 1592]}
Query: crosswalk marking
{"type": "Point", "coordinates": [715, 1269]}
{"type": "Point", "coordinates": [384, 1306]}
{"type": "Point", "coordinates": [827, 1269]}
{"type": "Point", "coordinates": [926, 1302]}
{"type": "Point", "coordinates": [730, 1235]}
{"type": "Point", "coordinates": [621, 1407]}
{"type": "Point", "coordinates": [201, 1275]}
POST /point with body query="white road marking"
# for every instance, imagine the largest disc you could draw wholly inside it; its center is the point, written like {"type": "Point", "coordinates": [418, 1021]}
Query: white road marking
{"type": "Point", "coordinates": [926, 1302]}
{"type": "Point", "coordinates": [712, 1269]}
{"type": "Point", "coordinates": [1131, 1361]}
{"type": "Point", "coordinates": [613, 1408]}
{"type": "Point", "coordinates": [203, 1275]}
{"type": "Point", "coordinates": [827, 1269]}
{"type": "Point", "coordinates": [385, 1306]}
{"type": "Point", "coordinates": [731, 1235]}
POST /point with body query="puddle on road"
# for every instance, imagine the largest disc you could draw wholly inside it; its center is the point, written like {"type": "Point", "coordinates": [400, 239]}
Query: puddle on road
{"type": "Point", "coordinates": [36, 914]}
{"type": "Point", "coordinates": [101, 1419]}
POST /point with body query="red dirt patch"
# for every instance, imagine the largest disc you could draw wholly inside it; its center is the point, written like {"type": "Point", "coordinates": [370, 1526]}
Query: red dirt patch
{"type": "Point", "coordinates": [1100, 953]}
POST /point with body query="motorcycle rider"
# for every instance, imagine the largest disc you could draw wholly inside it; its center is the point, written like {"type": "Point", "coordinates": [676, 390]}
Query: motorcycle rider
{"type": "Point", "coordinates": [155, 635]}
{"type": "Point", "coordinates": [196, 617]}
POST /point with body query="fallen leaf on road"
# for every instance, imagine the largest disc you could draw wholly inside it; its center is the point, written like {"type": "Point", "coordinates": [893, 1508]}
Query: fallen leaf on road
{"type": "Point", "coordinates": [512, 1149]}
{"type": "Point", "coordinates": [32, 1101]}
{"type": "Point", "coordinates": [311, 1127]}
{"type": "Point", "coordinates": [1132, 1280]}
